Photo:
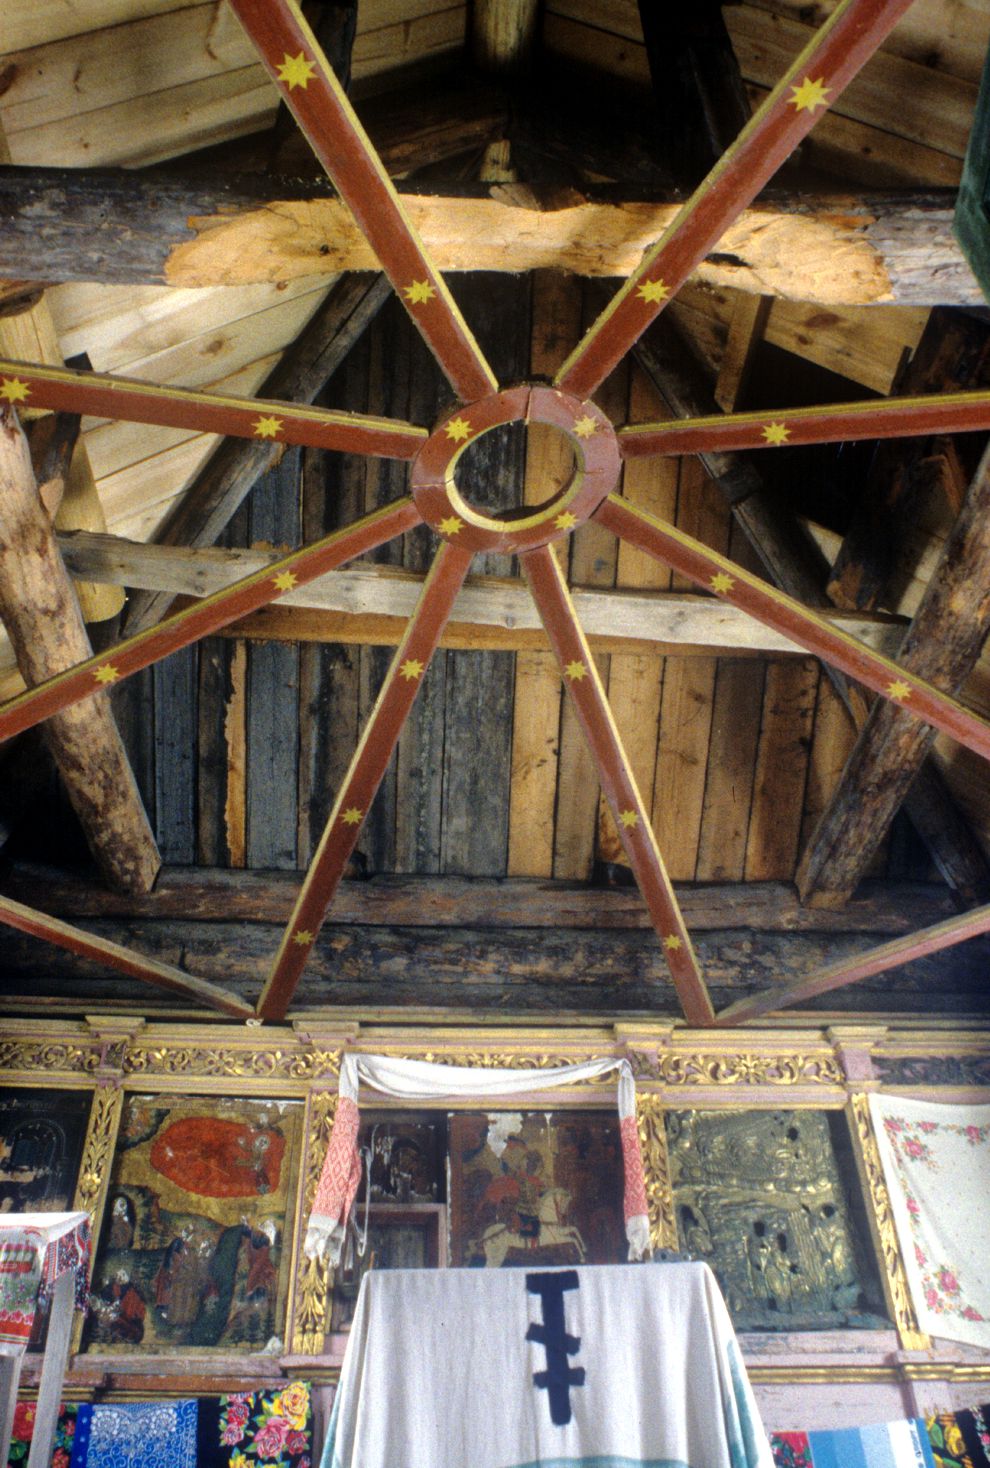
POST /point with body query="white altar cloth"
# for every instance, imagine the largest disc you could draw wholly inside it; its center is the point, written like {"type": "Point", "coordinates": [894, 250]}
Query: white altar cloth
{"type": "Point", "coordinates": [616, 1366]}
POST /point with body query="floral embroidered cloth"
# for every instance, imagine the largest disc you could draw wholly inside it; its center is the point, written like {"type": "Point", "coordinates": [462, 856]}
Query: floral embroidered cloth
{"type": "Point", "coordinates": [960, 1439]}
{"type": "Point", "coordinates": [23, 1432]}
{"type": "Point", "coordinates": [936, 1161]}
{"type": "Point", "coordinates": [886, 1445]}
{"type": "Point", "coordinates": [35, 1248]}
{"type": "Point", "coordinates": [256, 1429]}
{"type": "Point", "coordinates": [135, 1435]}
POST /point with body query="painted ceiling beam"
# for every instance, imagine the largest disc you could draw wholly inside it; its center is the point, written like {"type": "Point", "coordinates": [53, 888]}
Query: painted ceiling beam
{"type": "Point", "coordinates": [176, 229]}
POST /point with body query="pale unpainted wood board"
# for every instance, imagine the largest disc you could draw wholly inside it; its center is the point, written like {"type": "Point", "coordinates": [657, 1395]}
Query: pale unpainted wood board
{"type": "Point", "coordinates": [831, 745]}
{"type": "Point", "coordinates": [120, 326]}
{"type": "Point", "coordinates": [736, 709]}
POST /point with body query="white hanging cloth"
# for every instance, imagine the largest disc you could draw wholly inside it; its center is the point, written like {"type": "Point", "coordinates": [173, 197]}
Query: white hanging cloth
{"type": "Point", "coordinates": [420, 1080]}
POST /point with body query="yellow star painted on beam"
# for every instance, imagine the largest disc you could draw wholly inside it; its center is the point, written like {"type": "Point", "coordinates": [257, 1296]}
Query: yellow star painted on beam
{"type": "Point", "coordinates": [809, 95]}
{"type": "Point", "coordinates": [776, 433]}
{"type": "Point", "coordinates": [672, 942]}
{"type": "Point", "coordinates": [629, 818]}
{"type": "Point", "coordinates": [13, 390]}
{"type": "Point", "coordinates": [286, 581]}
{"type": "Point", "coordinates": [451, 525]}
{"type": "Point", "coordinates": [458, 429]}
{"type": "Point", "coordinates": [352, 816]}
{"type": "Point", "coordinates": [576, 671]}
{"type": "Point", "coordinates": [898, 690]}
{"type": "Point", "coordinates": [411, 668]}
{"type": "Point", "coordinates": [419, 292]}
{"type": "Point", "coordinates": [296, 71]}
{"type": "Point", "coordinates": [267, 427]}
{"type": "Point", "coordinates": [106, 673]}
{"type": "Point", "coordinates": [653, 290]}
{"type": "Point", "coordinates": [720, 582]}
{"type": "Point", "coordinates": [565, 520]}
{"type": "Point", "coordinates": [585, 427]}
{"type": "Point", "coordinates": [303, 937]}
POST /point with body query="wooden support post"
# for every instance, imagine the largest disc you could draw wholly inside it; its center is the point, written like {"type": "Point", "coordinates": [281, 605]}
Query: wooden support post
{"type": "Point", "coordinates": [943, 645]}
{"type": "Point", "coordinates": [42, 617]}
{"type": "Point", "coordinates": [792, 564]}
{"type": "Point", "coordinates": [503, 35]}
{"type": "Point", "coordinates": [237, 464]}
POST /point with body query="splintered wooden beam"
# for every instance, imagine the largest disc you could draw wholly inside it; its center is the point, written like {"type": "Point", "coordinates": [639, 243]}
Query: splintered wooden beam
{"type": "Point", "coordinates": [835, 423]}
{"type": "Point", "coordinates": [87, 677]}
{"type": "Point", "coordinates": [832, 58]}
{"type": "Point", "coordinates": [293, 59]}
{"type": "Point", "coordinates": [943, 645]}
{"type": "Point", "coordinates": [236, 464]}
{"type": "Point", "coordinates": [364, 775]}
{"type": "Point", "coordinates": [29, 385]}
{"type": "Point", "coordinates": [728, 579]}
{"type": "Point", "coordinates": [629, 811]}
{"type": "Point", "coordinates": [41, 614]}
{"type": "Point", "coordinates": [851, 970]}
{"type": "Point", "coordinates": [113, 955]}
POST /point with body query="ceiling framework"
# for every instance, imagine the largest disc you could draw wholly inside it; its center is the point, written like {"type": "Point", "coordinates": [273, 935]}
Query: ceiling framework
{"type": "Point", "coordinates": [441, 498]}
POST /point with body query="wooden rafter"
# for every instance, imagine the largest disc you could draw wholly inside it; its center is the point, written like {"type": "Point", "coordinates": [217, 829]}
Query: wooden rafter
{"type": "Point", "coordinates": [831, 59]}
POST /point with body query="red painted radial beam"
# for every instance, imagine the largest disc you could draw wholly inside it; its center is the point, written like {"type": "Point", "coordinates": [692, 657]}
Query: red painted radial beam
{"type": "Point", "coordinates": [839, 422]}
{"type": "Point", "coordinates": [28, 385]}
{"type": "Point", "coordinates": [206, 616]}
{"type": "Point", "coordinates": [88, 945]}
{"type": "Point", "coordinates": [364, 775]}
{"type": "Point", "coordinates": [835, 54]}
{"type": "Point", "coordinates": [707, 569]}
{"type": "Point", "coordinates": [294, 60]}
{"type": "Point", "coordinates": [860, 966]}
{"type": "Point", "coordinates": [632, 819]}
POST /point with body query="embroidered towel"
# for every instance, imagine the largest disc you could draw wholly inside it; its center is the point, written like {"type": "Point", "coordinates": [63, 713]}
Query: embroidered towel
{"type": "Point", "coordinates": [135, 1435]}
{"type": "Point", "coordinates": [936, 1161]}
{"type": "Point", "coordinates": [420, 1080]}
{"type": "Point", "coordinates": [489, 1368]}
{"type": "Point", "coordinates": [885, 1445]}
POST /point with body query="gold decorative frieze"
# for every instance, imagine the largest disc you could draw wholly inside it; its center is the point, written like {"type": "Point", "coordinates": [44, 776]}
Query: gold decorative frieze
{"type": "Point", "coordinates": [237, 1063]}
{"type": "Point", "coordinates": [313, 1278]}
{"type": "Point", "coordinates": [94, 1168]}
{"type": "Point", "coordinates": [504, 1060]}
{"type": "Point", "coordinates": [64, 1057]}
{"type": "Point", "coordinates": [749, 1068]}
{"type": "Point", "coordinates": [882, 1221]}
{"type": "Point", "coordinates": [659, 1198]}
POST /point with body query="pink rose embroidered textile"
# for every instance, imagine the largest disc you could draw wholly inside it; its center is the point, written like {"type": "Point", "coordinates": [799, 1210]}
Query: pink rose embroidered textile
{"type": "Point", "coordinates": [419, 1080]}
{"type": "Point", "coordinates": [936, 1162]}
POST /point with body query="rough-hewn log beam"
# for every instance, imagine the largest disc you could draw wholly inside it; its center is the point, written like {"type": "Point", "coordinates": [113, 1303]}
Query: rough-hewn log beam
{"type": "Point", "coordinates": [503, 35]}
{"type": "Point", "coordinates": [237, 464]}
{"type": "Point", "coordinates": [42, 617]}
{"type": "Point", "coordinates": [792, 564]}
{"type": "Point", "coordinates": [943, 644]}
{"type": "Point", "coordinates": [122, 227]}
{"type": "Point", "coordinates": [267, 897]}
{"type": "Point", "coordinates": [373, 603]}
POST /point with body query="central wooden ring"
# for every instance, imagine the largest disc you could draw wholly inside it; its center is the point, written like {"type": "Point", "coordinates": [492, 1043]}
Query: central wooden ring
{"type": "Point", "coordinates": [596, 472]}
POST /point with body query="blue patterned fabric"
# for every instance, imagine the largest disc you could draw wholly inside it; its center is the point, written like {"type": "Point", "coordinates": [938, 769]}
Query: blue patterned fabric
{"type": "Point", "coordinates": [135, 1435]}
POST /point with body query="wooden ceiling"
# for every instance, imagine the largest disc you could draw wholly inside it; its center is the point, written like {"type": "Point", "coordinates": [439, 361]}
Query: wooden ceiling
{"type": "Point", "coordinates": [737, 740]}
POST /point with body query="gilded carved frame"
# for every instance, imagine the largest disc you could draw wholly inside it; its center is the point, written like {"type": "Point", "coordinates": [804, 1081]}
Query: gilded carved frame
{"type": "Point", "coordinates": [831, 1069]}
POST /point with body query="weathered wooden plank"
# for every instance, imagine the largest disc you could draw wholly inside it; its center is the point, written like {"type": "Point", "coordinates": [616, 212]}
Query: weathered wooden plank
{"type": "Point", "coordinates": [835, 252]}
{"type": "Point", "coordinates": [944, 643]}
{"type": "Point", "coordinates": [504, 35]}
{"type": "Point", "coordinates": [481, 972]}
{"type": "Point", "coordinates": [272, 692]}
{"type": "Point", "coordinates": [175, 683]}
{"type": "Point", "coordinates": [781, 769]}
{"type": "Point", "coordinates": [405, 901]}
{"type": "Point", "coordinates": [736, 709]}
{"type": "Point", "coordinates": [43, 621]}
